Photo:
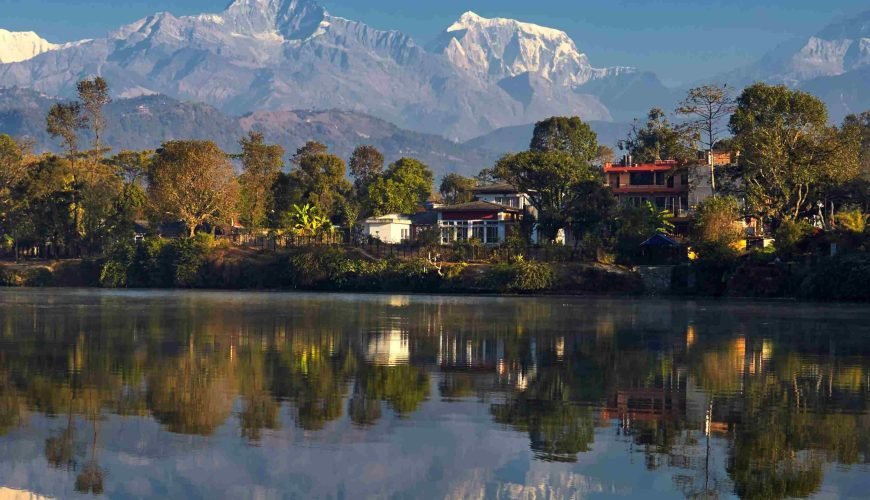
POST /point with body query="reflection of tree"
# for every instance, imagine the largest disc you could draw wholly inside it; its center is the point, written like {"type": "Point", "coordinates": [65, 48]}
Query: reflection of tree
{"type": "Point", "coordinates": [259, 408]}
{"type": "Point", "coordinates": [402, 387]}
{"type": "Point", "coordinates": [92, 475]}
{"type": "Point", "coordinates": [190, 395]}
{"type": "Point", "coordinates": [558, 430]}
{"type": "Point", "coordinates": [10, 405]}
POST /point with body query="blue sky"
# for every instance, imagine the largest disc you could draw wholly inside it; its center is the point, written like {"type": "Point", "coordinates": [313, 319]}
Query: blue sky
{"type": "Point", "coordinates": [681, 40]}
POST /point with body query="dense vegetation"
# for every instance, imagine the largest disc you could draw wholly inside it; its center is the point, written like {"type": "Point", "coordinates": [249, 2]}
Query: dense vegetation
{"type": "Point", "coordinates": [797, 175]}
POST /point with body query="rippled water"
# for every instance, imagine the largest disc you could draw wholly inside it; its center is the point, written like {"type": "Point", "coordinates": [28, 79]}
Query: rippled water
{"type": "Point", "coordinates": [221, 395]}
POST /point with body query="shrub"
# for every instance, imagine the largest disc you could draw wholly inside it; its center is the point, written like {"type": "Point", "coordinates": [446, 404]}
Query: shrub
{"type": "Point", "coordinates": [853, 220]}
{"type": "Point", "coordinates": [520, 276]}
{"type": "Point", "coordinates": [789, 236]}
{"type": "Point", "coordinates": [114, 274]}
{"type": "Point", "coordinates": [843, 277]}
{"type": "Point", "coordinates": [38, 277]}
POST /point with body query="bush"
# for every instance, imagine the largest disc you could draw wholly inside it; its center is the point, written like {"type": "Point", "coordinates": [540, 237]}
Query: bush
{"type": "Point", "coordinates": [38, 277]}
{"type": "Point", "coordinates": [843, 277]}
{"type": "Point", "coordinates": [789, 235]}
{"type": "Point", "coordinates": [520, 276]}
{"type": "Point", "coordinates": [853, 221]}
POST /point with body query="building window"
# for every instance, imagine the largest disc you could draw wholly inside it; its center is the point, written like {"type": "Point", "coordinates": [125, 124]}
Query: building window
{"type": "Point", "coordinates": [684, 178]}
{"type": "Point", "coordinates": [670, 181]}
{"type": "Point", "coordinates": [477, 232]}
{"type": "Point", "coordinates": [641, 178]}
{"type": "Point", "coordinates": [406, 234]}
{"type": "Point", "coordinates": [492, 233]}
{"type": "Point", "coordinates": [462, 231]}
{"type": "Point", "coordinates": [660, 202]}
{"type": "Point", "coordinates": [660, 178]}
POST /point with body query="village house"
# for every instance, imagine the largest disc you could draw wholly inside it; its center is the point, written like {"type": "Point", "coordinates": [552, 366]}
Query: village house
{"type": "Point", "coordinates": [390, 228]}
{"type": "Point", "coordinates": [488, 219]}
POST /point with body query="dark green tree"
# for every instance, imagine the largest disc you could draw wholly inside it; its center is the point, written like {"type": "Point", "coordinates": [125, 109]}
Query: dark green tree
{"type": "Point", "coordinates": [566, 135]}
{"type": "Point", "coordinates": [261, 164]}
{"type": "Point", "coordinates": [401, 189]}
{"type": "Point", "coordinates": [657, 140]}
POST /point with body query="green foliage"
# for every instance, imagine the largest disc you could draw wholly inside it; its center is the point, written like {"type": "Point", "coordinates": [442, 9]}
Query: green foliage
{"type": "Point", "coordinates": [789, 236]}
{"type": "Point", "coordinates": [716, 227]}
{"type": "Point", "coordinates": [550, 179]}
{"type": "Point", "coordinates": [305, 221]}
{"type": "Point", "coordinates": [658, 140]}
{"type": "Point", "coordinates": [520, 276]}
{"type": "Point", "coordinates": [456, 189]}
{"type": "Point", "coordinates": [841, 278]}
{"type": "Point", "coordinates": [590, 215]}
{"type": "Point", "coordinates": [261, 164]}
{"type": "Point", "coordinates": [566, 135]}
{"type": "Point", "coordinates": [320, 180]}
{"type": "Point", "coordinates": [635, 225]}
{"type": "Point", "coordinates": [790, 157]}
{"type": "Point", "coordinates": [852, 220]}
{"type": "Point", "coordinates": [405, 185]}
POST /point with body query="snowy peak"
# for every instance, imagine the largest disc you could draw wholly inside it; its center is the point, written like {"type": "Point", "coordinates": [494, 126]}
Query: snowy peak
{"type": "Point", "coordinates": [21, 46]}
{"type": "Point", "coordinates": [494, 49]}
{"type": "Point", "coordinates": [292, 19]}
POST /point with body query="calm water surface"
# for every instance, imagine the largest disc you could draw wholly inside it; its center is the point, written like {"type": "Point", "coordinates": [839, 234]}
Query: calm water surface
{"type": "Point", "coordinates": [222, 395]}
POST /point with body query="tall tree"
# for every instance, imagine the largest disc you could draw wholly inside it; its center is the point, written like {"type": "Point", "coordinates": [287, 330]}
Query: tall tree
{"type": "Point", "coordinates": [261, 164]}
{"type": "Point", "coordinates": [94, 96]}
{"type": "Point", "coordinates": [789, 154]}
{"type": "Point", "coordinates": [591, 212]}
{"type": "Point", "coordinates": [566, 135]}
{"type": "Point", "coordinates": [320, 179]}
{"type": "Point", "coordinates": [366, 163]}
{"type": "Point", "coordinates": [456, 188]}
{"type": "Point", "coordinates": [192, 181]}
{"type": "Point", "coordinates": [310, 148]}
{"type": "Point", "coordinates": [549, 179]}
{"type": "Point", "coordinates": [657, 140]}
{"type": "Point", "coordinates": [708, 106]}
{"type": "Point", "coordinates": [404, 185]}
{"type": "Point", "coordinates": [65, 120]}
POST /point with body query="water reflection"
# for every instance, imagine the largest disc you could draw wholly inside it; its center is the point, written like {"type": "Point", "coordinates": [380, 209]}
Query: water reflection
{"type": "Point", "coordinates": [263, 395]}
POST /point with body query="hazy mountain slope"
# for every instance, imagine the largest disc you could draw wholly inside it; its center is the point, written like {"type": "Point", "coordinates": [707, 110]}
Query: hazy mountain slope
{"type": "Point", "coordinates": [146, 122]}
{"type": "Point", "coordinates": [844, 94]}
{"type": "Point", "coordinates": [515, 139]}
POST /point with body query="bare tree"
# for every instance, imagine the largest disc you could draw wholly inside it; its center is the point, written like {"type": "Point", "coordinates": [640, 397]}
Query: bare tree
{"type": "Point", "coordinates": [708, 106]}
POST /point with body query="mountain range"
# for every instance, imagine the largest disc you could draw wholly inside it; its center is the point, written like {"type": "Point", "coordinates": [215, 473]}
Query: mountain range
{"type": "Point", "coordinates": [273, 62]}
{"type": "Point", "coordinates": [145, 122]}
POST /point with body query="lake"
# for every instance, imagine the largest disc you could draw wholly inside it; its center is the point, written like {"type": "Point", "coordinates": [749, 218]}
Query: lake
{"type": "Point", "coordinates": [248, 395]}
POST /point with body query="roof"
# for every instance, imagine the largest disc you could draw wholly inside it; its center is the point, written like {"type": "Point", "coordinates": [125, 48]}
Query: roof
{"type": "Point", "coordinates": [479, 206]}
{"type": "Point", "coordinates": [389, 218]}
{"type": "Point", "coordinates": [502, 188]}
{"type": "Point", "coordinates": [425, 218]}
{"type": "Point", "coordinates": [660, 240]}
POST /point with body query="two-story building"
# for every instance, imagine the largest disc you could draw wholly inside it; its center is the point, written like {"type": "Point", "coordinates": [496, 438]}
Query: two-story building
{"type": "Point", "coordinates": [665, 184]}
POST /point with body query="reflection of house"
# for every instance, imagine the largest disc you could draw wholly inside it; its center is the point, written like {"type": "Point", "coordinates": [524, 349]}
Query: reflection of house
{"type": "Point", "coordinates": [391, 228]}
{"type": "Point", "coordinates": [389, 349]}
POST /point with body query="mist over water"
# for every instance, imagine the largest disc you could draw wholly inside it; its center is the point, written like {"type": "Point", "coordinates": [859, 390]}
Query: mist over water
{"type": "Point", "coordinates": [239, 395]}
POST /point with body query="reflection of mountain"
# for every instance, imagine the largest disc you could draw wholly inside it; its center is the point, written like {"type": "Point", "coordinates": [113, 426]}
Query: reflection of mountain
{"type": "Point", "coordinates": [515, 390]}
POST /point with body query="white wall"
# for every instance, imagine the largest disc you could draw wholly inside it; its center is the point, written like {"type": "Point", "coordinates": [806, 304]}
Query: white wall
{"type": "Point", "coordinates": [387, 230]}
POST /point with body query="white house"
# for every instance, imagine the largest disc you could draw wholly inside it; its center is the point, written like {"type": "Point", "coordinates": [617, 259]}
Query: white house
{"type": "Point", "coordinates": [391, 228]}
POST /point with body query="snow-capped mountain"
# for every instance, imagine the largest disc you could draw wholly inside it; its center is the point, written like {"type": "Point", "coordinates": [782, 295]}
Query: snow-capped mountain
{"type": "Point", "coordinates": [21, 46]}
{"type": "Point", "coordinates": [292, 54]}
{"type": "Point", "coordinates": [828, 64]}
{"type": "Point", "coordinates": [495, 49]}
{"type": "Point", "coordinates": [837, 49]}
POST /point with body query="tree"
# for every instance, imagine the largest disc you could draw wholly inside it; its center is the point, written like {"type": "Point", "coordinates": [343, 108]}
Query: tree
{"type": "Point", "coordinates": [456, 188]}
{"type": "Point", "coordinates": [320, 180]}
{"type": "Point", "coordinates": [401, 189]}
{"type": "Point", "coordinates": [566, 135]}
{"type": "Point", "coordinates": [366, 163]}
{"type": "Point", "coordinates": [192, 181]}
{"type": "Point", "coordinates": [789, 155]}
{"type": "Point", "coordinates": [605, 155]}
{"type": "Point", "coordinates": [486, 177]}
{"type": "Point", "coordinates": [94, 96]}
{"type": "Point", "coordinates": [261, 164]}
{"type": "Point", "coordinates": [549, 179]}
{"type": "Point", "coordinates": [310, 148]}
{"type": "Point", "coordinates": [716, 224]}
{"type": "Point", "coordinates": [591, 211]}
{"type": "Point", "coordinates": [708, 106]}
{"type": "Point", "coordinates": [657, 140]}
{"type": "Point", "coordinates": [65, 121]}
